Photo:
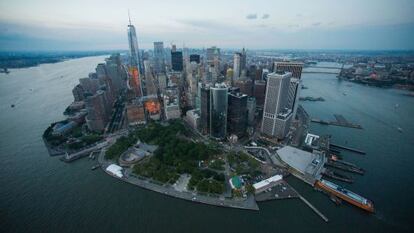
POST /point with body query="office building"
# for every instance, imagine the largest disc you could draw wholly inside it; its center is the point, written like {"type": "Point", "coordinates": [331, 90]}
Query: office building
{"type": "Point", "coordinates": [205, 108]}
{"type": "Point", "coordinates": [172, 103]}
{"type": "Point", "coordinates": [276, 114]}
{"type": "Point", "coordinates": [245, 85]}
{"type": "Point", "coordinates": [294, 88]}
{"type": "Point", "coordinates": [135, 56]}
{"type": "Point", "coordinates": [78, 93]}
{"type": "Point", "coordinates": [251, 111]}
{"type": "Point", "coordinates": [237, 114]}
{"type": "Point", "coordinates": [177, 61]}
{"type": "Point", "coordinates": [159, 57]}
{"type": "Point", "coordinates": [135, 113]}
{"type": "Point", "coordinates": [195, 58]}
{"type": "Point", "coordinates": [237, 66]}
{"type": "Point", "coordinates": [97, 117]}
{"type": "Point", "coordinates": [259, 92]}
{"type": "Point", "coordinates": [218, 111]}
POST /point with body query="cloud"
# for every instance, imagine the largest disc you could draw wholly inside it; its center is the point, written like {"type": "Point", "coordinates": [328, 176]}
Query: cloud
{"type": "Point", "coordinates": [251, 16]}
{"type": "Point", "coordinates": [265, 16]}
{"type": "Point", "coordinates": [316, 24]}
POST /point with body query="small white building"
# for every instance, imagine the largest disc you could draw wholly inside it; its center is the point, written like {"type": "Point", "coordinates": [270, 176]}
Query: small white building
{"type": "Point", "coordinates": [115, 170]}
{"type": "Point", "coordinates": [267, 183]}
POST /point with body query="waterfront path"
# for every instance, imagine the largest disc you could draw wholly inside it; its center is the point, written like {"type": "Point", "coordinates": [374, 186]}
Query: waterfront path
{"type": "Point", "coordinates": [248, 203]}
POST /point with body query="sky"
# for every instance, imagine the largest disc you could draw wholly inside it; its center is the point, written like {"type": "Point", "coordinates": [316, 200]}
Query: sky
{"type": "Point", "coordinates": [254, 24]}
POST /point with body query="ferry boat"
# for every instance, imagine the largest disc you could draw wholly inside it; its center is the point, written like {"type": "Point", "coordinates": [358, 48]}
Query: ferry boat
{"type": "Point", "coordinates": [345, 195]}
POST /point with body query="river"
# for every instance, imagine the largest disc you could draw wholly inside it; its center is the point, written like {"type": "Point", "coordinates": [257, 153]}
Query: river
{"type": "Point", "coordinates": [42, 194]}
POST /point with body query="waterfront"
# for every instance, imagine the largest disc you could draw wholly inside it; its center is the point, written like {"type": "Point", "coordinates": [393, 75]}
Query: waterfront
{"type": "Point", "coordinates": [40, 193]}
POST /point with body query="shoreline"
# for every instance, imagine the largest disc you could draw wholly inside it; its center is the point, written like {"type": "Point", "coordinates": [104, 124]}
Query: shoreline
{"type": "Point", "coordinates": [248, 204]}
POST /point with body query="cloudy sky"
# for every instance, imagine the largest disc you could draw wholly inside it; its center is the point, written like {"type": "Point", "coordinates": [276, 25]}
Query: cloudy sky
{"type": "Point", "coordinates": [255, 24]}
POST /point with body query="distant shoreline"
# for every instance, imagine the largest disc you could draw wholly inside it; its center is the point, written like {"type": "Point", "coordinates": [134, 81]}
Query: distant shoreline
{"type": "Point", "coordinates": [26, 60]}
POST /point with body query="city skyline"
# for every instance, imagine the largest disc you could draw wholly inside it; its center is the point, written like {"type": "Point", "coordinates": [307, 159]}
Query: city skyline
{"type": "Point", "coordinates": [263, 25]}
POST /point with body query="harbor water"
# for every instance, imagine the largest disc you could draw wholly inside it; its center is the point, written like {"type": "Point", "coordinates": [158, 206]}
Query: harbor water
{"type": "Point", "coordinates": [39, 193]}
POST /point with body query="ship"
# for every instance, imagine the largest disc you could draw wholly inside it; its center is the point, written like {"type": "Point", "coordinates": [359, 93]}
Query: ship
{"type": "Point", "coordinates": [346, 195]}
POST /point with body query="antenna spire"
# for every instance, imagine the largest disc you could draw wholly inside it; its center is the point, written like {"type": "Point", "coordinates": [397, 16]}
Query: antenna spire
{"type": "Point", "coordinates": [129, 17]}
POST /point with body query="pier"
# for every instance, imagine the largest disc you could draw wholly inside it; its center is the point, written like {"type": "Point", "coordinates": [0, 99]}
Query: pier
{"type": "Point", "coordinates": [340, 121]}
{"type": "Point", "coordinates": [77, 155]}
{"type": "Point", "coordinates": [348, 148]}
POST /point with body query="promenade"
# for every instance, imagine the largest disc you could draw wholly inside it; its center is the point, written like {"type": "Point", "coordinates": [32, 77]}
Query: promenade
{"type": "Point", "coordinates": [248, 203]}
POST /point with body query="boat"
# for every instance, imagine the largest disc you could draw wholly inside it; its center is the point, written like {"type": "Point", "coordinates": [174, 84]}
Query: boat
{"type": "Point", "coordinates": [400, 129]}
{"type": "Point", "coordinates": [346, 195]}
{"type": "Point", "coordinates": [343, 93]}
{"type": "Point", "coordinates": [12, 105]}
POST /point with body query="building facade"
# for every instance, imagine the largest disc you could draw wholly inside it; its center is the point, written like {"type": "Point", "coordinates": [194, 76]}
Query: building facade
{"type": "Point", "coordinates": [237, 114]}
{"type": "Point", "coordinates": [276, 115]}
{"type": "Point", "coordinates": [218, 111]}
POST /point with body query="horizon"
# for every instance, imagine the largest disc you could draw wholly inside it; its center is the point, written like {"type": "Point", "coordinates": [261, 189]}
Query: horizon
{"type": "Point", "coordinates": [317, 25]}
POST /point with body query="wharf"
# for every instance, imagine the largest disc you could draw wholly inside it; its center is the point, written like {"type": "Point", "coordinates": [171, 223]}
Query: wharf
{"type": "Point", "coordinates": [345, 167]}
{"type": "Point", "coordinates": [348, 148]}
{"type": "Point", "coordinates": [80, 154]}
{"type": "Point", "coordinates": [337, 176]}
{"type": "Point", "coordinates": [340, 121]}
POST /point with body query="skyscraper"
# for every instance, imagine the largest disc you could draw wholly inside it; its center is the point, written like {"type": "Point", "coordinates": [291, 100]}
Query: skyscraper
{"type": "Point", "coordinates": [195, 58]}
{"type": "Point", "coordinates": [294, 87]}
{"type": "Point", "coordinates": [159, 57]}
{"type": "Point", "coordinates": [276, 114]}
{"type": "Point", "coordinates": [243, 59]}
{"type": "Point", "coordinates": [251, 110]}
{"type": "Point", "coordinates": [236, 65]}
{"type": "Point", "coordinates": [218, 111]}
{"type": "Point", "coordinates": [177, 61]}
{"type": "Point", "coordinates": [259, 92]}
{"type": "Point", "coordinates": [136, 66]}
{"type": "Point", "coordinates": [205, 108]}
{"type": "Point", "coordinates": [237, 114]}
{"type": "Point", "coordinates": [135, 57]}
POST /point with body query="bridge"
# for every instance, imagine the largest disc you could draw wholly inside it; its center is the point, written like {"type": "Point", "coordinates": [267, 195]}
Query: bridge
{"type": "Point", "coordinates": [318, 72]}
{"type": "Point", "coordinates": [325, 67]}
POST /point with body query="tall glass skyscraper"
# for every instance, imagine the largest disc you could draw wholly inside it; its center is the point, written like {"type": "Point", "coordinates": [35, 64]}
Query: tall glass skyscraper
{"type": "Point", "coordinates": [218, 111]}
{"type": "Point", "coordinates": [134, 49]}
{"type": "Point", "coordinates": [136, 68]}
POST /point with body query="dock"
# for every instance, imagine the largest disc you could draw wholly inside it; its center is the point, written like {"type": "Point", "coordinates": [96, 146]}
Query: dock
{"type": "Point", "coordinates": [80, 154]}
{"type": "Point", "coordinates": [337, 176]}
{"type": "Point", "coordinates": [345, 167]}
{"type": "Point", "coordinates": [339, 121]}
{"type": "Point", "coordinates": [348, 148]}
